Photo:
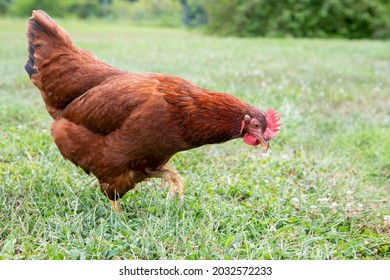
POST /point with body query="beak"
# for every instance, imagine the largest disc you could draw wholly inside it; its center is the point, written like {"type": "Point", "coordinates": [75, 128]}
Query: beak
{"type": "Point", "coordinates": [263, 142]}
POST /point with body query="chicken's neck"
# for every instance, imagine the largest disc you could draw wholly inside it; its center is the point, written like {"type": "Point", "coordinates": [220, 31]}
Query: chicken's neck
{"type": "Point", "coordinates": [215, 119]}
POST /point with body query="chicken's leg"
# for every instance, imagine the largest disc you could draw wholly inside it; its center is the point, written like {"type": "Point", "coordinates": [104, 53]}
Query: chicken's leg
{"type": "Point", "coordinates": [173, 179]}
{"type": "Point", "coordinates": [116, 206]}
{"type": "Point", "coordinates": [169, 176]}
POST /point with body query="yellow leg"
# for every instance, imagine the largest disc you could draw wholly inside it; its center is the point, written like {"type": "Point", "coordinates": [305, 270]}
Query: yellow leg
{"type": "Point", "coordinates": [172, 178]}
{"type": "Point", "coordinates": [116, 206]}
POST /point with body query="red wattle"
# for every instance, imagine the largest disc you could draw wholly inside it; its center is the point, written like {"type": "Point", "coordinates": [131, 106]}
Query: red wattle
{"type": "Point", "coordinates": [251, 140]}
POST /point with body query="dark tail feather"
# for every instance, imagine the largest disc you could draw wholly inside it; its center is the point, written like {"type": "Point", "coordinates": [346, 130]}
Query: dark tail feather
{"type": "Point", "coordinates": [29, 67]}
{"type": "Point", "coordinates": [40, 29]}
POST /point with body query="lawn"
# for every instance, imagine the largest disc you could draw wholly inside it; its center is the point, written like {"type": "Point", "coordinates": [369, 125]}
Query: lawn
{"type": "Point", "coordinates": [321, 192]}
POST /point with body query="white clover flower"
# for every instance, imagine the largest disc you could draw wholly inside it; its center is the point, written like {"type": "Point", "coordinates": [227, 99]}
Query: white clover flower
{"type": "Point", "coordinates": [323, 200]}
{"type": "Point", "coordinates": [294, 200]}
{"type": "Point", "coordinates": [333, 207]}
{"type": "Point", "coordinates": [386, 220]}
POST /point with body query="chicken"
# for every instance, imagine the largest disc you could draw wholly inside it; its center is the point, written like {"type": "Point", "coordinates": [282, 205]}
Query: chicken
{"type": "Point", "coordinates": [124, 127]}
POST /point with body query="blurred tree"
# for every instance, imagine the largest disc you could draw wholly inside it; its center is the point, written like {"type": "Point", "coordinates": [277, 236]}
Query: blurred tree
{"type": "Point", "coordinates": [86, 8]}
{"type": "Point", "coordinates": [60, 8]}
{"type": "Point", "coordinates": [23, 8]}
{"type": "Point", "coordinates": [193, 13]}
{"type": "Point", "coordinates": [4, 5]}
{"type": "Point", "coordinates": [162, 12]}
{"type": "Point", "coordinates": [300, 18]}
{"type": "Point", "coordinates": [297, 18]}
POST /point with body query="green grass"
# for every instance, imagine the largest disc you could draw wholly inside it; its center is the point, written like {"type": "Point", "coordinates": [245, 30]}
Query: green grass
{"type": "Point", "coordinates": [322, 191]}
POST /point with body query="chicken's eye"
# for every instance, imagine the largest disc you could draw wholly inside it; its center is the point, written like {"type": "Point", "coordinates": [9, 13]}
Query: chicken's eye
{"type": "Point", "coordinates": [256, 125]}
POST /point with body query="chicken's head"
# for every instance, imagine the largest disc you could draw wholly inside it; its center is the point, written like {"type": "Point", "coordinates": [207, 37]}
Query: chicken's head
{"type": "Point", "coordinates": [260, 129]}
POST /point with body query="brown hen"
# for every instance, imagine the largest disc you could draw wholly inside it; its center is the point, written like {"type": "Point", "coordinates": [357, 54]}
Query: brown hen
{"type": "Point", "coordinates": [124, 127]}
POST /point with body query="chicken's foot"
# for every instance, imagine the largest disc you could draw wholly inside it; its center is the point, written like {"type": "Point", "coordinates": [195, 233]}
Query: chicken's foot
{"type": "Point", "coordinates": [116, 206]}
{"type": "Point", "coordinates": [173, 179]}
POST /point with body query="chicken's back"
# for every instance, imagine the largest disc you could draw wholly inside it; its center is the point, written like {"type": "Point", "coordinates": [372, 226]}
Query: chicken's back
{"type": "Point", "coordinates": [58, 68]}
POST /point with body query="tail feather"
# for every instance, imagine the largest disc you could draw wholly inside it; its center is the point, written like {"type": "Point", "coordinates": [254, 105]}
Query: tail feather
{"type": "Point", "coordinates": [44, 35]}
{"type": "Point", "coordinates": [29, 67]}
{"type": "Point", "coordinates": [57, 67]}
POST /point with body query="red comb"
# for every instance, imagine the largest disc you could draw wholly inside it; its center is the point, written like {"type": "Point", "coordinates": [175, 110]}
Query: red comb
{"type": "Point", "coordinates": [272, 124]}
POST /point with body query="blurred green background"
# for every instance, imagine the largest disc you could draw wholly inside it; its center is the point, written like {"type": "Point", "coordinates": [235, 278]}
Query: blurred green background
{"type": "Point", "coordinates": [271, 18]}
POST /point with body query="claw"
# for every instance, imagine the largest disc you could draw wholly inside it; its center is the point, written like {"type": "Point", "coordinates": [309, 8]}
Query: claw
{"type": "Point", "coordinates": [173, 180]}
{"type": "Point", "coordinates": [171, 187]}
{"type": "Point", "coordinates": [162, 183]}
{"type": "Point", "coordinates": [116, 206]}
